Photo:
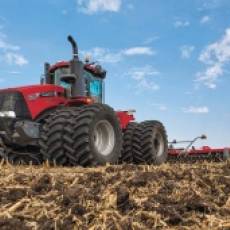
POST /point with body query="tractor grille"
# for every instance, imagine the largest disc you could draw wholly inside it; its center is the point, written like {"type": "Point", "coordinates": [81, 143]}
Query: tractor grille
{"type": "Point", "coordinates": [14, 101]}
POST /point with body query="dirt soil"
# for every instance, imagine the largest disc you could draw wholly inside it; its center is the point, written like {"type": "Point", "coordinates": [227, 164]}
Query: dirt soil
{"type": "Point", "coordinates": [171, 196]}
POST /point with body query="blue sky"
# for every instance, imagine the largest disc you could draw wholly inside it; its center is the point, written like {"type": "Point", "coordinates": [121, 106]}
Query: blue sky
{"type": "Point", "coordinates": [168, 59]}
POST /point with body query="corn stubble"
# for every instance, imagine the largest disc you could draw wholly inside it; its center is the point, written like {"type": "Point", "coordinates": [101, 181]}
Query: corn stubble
{"type": "Point", "coordinates": [171, 196]}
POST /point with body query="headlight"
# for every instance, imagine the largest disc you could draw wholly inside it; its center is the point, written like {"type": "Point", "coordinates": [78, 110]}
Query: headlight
{"type": "Point", "coordinates": [10, 114]}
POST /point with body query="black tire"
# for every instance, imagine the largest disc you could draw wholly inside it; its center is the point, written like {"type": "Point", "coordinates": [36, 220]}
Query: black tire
{"type": "Point", "coordinates": [3, 154]}
{"type": "Point", "coordinates": [97, 136]}
{"type": "Point", "coordinates": [154, 143]}
{"type": "Point", "coordinates": [44, 119]}
{"type": "Point", "coordinates": [56, 142]}
{"type": "Point", "coordinates": [127, 149]}
{"type": "Point", "coordinates": [136, 145]}
{"type": "Point", "coordinates": [226, 155]}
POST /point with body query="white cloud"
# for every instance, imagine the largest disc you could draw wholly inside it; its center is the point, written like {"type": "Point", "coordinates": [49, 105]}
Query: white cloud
{"type": "Point", "coordinates": [7, 46]}
{"type": "Point", "coordinates": [159, 106]}
{"type": "Point", "coordinates": [150, 40]}
{"type": "Point", "coordinates": [16, 59]}
{"type": "Point", "coordinates": [186, 51]}
{"type": "Point", "coordinates": [9, 53]}
{"type": "Point", "coordinates": [138, 51]}
{"type": "Point", "coordinates": [144, 84]}
{"type": "Point", "coordinates": [210, 75]}
{"type": "Point", "coordinates": [163, 108]}
{"type": "Point", "coordinates": [210, 4]}
{"type": "Point", "coordinates": [205, 19]}
{"type": "Point", "coordinates": [104, 55]}
{"type": "Point", "coordinates": [94, 6]}
{"type": "Point", "coordinates": [144, 77]}
{"type": "Point", "coordinates": [215, 56]}
{"type": "Point", "coordinates": [181, 23]}
{"type": "Point", "coordinates": [196, 110]}
{"type": "Point", "coordinates": [14, 72]}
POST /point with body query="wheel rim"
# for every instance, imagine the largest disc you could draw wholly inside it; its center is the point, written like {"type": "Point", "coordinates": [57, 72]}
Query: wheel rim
{"type": "Point", "coordinates": [159, 144]}
{"type": "Point", "coordinates": [104, 137]}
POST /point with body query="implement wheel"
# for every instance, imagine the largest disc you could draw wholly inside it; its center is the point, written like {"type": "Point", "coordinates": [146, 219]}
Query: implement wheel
{"type": "Point", "coordinates": [226, 155]}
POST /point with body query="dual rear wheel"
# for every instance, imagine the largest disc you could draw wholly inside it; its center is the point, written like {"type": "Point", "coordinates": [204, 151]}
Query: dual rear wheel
{"type": "Point", "coordinates": [145, 143]}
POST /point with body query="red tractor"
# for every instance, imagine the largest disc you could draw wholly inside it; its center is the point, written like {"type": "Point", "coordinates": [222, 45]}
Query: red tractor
{"type": "Point", "coordinates": [64, 121]}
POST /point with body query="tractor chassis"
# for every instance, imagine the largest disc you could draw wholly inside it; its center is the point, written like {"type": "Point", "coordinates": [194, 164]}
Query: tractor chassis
{"type": "Point", "coordinates": [19, 132]}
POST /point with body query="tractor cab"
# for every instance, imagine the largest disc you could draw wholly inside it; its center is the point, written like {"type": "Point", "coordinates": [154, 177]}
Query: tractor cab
{"type": "Point", "coordinates": [79, 79]}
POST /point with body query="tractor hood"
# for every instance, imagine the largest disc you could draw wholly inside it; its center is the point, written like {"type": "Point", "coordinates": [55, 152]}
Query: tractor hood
{"type": "Point", "coordinates": [26, 90]}
{"type": "Point", "coordinates": [36, 98]}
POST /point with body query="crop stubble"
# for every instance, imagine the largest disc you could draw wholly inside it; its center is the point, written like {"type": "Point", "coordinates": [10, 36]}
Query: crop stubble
{"type": "Point", "coordinates": [171, 196]}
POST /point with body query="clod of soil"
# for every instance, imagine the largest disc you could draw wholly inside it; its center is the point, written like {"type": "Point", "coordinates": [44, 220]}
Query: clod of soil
{"type": "Point", "coordinates": [12, 224]}
{"type": "Point", "coordinates": [123, 202]}
{"type": "Point", "coordinates": [42, 184]}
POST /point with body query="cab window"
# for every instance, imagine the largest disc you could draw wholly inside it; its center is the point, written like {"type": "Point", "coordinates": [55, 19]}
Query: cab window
{"type": "Point", "coordinates": [94, 86]}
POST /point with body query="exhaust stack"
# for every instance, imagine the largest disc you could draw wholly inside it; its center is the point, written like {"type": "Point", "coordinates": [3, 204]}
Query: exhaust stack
{"type": "Point", "coordinates": [77, 71]}
{"type": "Point", "coordinates": [74, 47]}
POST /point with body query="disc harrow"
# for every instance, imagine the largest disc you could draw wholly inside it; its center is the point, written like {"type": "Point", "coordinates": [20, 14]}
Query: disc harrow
{"type": "Point", "coordinates": [190, 154]}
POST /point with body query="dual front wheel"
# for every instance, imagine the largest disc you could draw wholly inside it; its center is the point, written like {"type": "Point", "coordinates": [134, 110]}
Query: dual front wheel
{"type": "Point", "coordinates": [86, 136]}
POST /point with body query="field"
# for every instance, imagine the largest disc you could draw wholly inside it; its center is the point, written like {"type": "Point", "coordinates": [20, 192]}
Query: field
{"type": "Point", "coordinates": [171, 196]}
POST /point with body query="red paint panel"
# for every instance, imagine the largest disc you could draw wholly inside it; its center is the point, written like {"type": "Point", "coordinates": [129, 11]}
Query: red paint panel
{"type": "Point", "coordinates": [124, 118]}
{"type": "Point", "coordinates": [205, 150]}
{"type": "Point", "coordinates": [58, 65]}
{"type": "Point", "coordinates": [36, 103]}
